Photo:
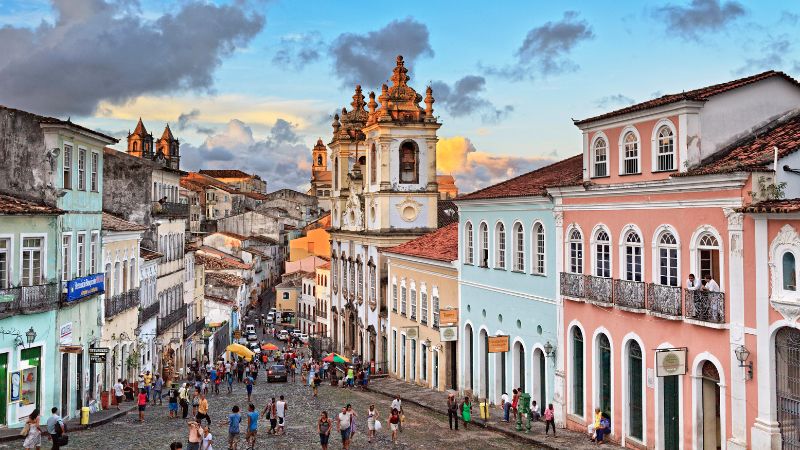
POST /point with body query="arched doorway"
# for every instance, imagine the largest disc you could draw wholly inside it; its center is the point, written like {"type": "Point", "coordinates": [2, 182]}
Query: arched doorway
{"type": "Point", "coordinates": [539, 386]}
{"type": "Point", "coordinates": [483, 380]}
{"type": "Point", "coordinates": [787, 389]}
{"type": "Point", "coordinates": [351, 338]}
{"type": "Point", "coordinates": [500, 385]}
{"type": "Point", "coordinates": [519, 364]}
{"type": "Point", "coordinates": [470, 360]}
{"type": "Point", "coordinates": [604, 374]}
{"type": "Point", "coordinates": [710, 409]}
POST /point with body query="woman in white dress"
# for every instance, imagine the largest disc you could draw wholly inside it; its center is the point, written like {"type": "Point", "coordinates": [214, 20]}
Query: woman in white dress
{"type": "Point", "coordinates": [372, 416]}
{"type": "Point", "coordinates": [33, 440]}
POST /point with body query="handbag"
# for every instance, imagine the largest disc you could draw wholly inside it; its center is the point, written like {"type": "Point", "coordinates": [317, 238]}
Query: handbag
{"type": "Point", "coordinates": [62, 440]}
{"type": "Point", "coordinates": [378, 425]}
{"type": "Point", "coordinates": [25, 430]}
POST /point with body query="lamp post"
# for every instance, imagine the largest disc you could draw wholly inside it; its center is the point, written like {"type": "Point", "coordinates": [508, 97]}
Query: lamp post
{"type": "Point", "coordinates": [742, 354]}
{"type": "Point", "coordinates": [550, 351]}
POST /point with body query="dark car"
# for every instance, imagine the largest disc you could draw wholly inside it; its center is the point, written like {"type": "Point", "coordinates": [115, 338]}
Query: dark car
{"type": "Point", "coordinates": [277, 373]}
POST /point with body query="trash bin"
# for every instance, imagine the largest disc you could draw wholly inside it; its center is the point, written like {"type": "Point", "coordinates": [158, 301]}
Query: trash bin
{"type": "Point", "coordinates": [484, 407]}
{"type": "Point", "coordinates": [85, 415]}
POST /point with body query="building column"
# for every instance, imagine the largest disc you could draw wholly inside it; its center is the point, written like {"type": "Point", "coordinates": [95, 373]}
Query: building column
{"type": "Point", "coordinates": [738, 391]}
{"type": "Point", "coordinates": [559, 379]}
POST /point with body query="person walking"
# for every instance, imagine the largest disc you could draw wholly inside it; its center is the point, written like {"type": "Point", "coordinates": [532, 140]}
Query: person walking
{"type": "Point", "coordinates": [158, 386]}
{"type": "Point", "coordinates": [343, 425]}
{"type": "Point", "coordinates": [506, 404]}
{"type": "Point", "coordinates": [549, 419]}
{"type": "Point", "coordinates": [172, 396]}
{"type": "Point", "coordinates": [195, 435]}
{"type": "Point", "coordinates": [372, 416]}
{"type": "Point", "coordinates": [315, 382]}
{"type": "Point", "coordinates": [234, 420]}
{"type": "Point", "coordinates": [195, 401]}
{"type": "Point", "coordinates": [252, 426]}
{"type": "Point", "coordinates": [202, 409]}
{"type": "Point", "coordinates": [452, 411]}
{"type": "Point", "coordinates": [229, 377]}
{"type": "Point", "coordinates": [32, 432]}
{"type": "Point", "coordinates": [394, 424]}
{"type": "Point", "coordinates": [208, 439]}
{"type": "Point", "coordinates": [270, 412]}
{"type": "Point", "coordinates": [248, 384]}
{"type": "Point", "coordinates": [324, 426]}
{"type": "Point", "coordinates": [352, 421]}
{"type": "Point", "coordinates": [280, 410]}
{"type": "Point", "coordinates": [398, 405]}
{"type": "Point", "coordinates": [119, 391]}
{"type": "Point", "coordinates": [515, 402]}
{"type": "Point", "coordinates": [142, 402]}
{"type": "Point", "coordinates": [148, 382]}
{"type": "Point", "coordinates": [183, 400]}
{"type": "Point", "coordinates": [56, 428]}
{"type": "Point", "coordinates": [466, 411]}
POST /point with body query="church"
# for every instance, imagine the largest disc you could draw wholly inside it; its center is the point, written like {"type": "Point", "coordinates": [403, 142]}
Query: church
{"type": "Point", "coordinates": [384, 192]}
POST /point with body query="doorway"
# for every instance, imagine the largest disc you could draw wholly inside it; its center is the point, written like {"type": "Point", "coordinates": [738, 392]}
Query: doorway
{"type": "Point", "coordinates": [604, 373]}
{"type": "Point", "coordinates": [672, 411]}
{"type": "Point", "coordinates": [65, 384]}
{"type": "Point", "coordinates": [3, 388]}
{"type": "Point", "coordinates": [483, 380]}
{"type": "Point", "coordinates": [79, 382]}
{"type": "Point", "coordinates": [787, 364]}
{"type": "Point", "coordinates": [539, 388]}
{"type": "Point", "coordinates": [453, 361]}
{"type": "Point", "coordinates": [711, 407]}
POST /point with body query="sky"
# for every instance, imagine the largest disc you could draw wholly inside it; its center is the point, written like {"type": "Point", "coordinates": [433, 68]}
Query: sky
{"type": "Point", "coordinates": [251, 85]}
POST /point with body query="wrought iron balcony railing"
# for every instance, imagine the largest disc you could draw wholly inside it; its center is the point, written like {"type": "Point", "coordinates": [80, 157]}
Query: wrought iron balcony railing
{"type": "Point", "coordinates": [121, 302]}
{"type": "Point", "coordinates": [194, 327]}
{"type": "Point", "coordinates": [664, 300]}
{"type": "Point", "coordinates": [572, 285]}
{"type": "Point", "coordinates": [599, 289]}
{"type": "Point", "coordinates": [705, 306]}
{"type": "Point", "coordinates": [629, 294]}
{"type": "Point", "coordinates": [148, 312]}
{"type": "Point", "coordinates": [29, 299]}
{"type": "Point", "coordinates": [168, 209]}
{"type": "Point", "coordinates": [170, 319]}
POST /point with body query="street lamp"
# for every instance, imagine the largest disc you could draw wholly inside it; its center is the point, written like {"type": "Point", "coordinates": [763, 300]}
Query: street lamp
{"type": "Point", "coordinates": [549, 350]}
{"type": "Point", "coordinates": [742, 354]}
{"type": "Point", "coordinates": [30, 335]}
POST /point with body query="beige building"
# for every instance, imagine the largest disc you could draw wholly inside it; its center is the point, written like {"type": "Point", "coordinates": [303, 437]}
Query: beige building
{"type": "Point", "coordinates": [423, 285]}
{"type": "Point", "coordinates": [288, 292]}
{"type": "Point", "coordinates": [240, 180]}
{"type": "Point", "coordinates": [323, 295]}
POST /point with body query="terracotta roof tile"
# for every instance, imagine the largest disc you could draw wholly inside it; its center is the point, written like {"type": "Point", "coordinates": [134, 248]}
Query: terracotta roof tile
{"type": "Point", "coordinates": [148, 255]}
{"type": "Point", "coordinates": [222, 300]}
{"type": "Point", "coordinates": [701, 94]}
{"type": "Point", "coordinates": [568, 172]}
{"type": "Point", "coordinates": [225, 278]}
{"type": "Point", "coordinates": [754, 152]}
{"type": "Point", "coordinates": [230, 235]}
{"type": "Point", "coordinates": [440, 245]}
{"type": "Point", "coordinates": [783, 206]}
{"type": "Point", "coordinates": [255, 251]}
{"type": "Point", "coordinates": [10, 205]}
{"type": "Point", "coordinates": [114, 223]}
{"type": "Point", "coordinates": [447, 213]}
{"type": "Point", "coordinates": [262, 239]}
{"type": "Point", "coordinates": [205, 181]}
{"type": "Point", "coordinates": [219, 261]}
{"type": "Point", "coordinates": [225, 173]}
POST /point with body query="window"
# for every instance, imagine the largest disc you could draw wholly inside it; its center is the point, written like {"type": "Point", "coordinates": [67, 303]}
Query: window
{"type": "Point", "coordinates": [635, 377]}
{"type": "Point", "coordinates": [604, 372]}
{"type": "Point", "coordinates": [360, 281]}
{"type": "Point", "coordinates": [483, 241]}
{"type": "Point", "coordinates": [789, 272]}
{"type": "Point", "coordinates": [668, 260]}
{"type": "Point", "coordinates": [95, 171]}
{"type": "Point", "coordinates": [423, 373]}
{"type": "Point", "coordinates": [630, 148]}
{"type": "Point", "coordinates": [666, 149]}
{"type": "Point", "coordinates": [708, 250]}
{"type": "Point", "coordinates": [66, 257]}
{"type": "Point", "coordinates": [500, 262]}
{"type": "Point", "coordinates": [409, 163]}
{"type": "Point", "coordinates": [371, 282]}
{"type": "Point", "coordinates": [633, 257]}
{"type": "Point", "coordinates": [394, 353]}
{"type": "Point", "coordinates": [31, 261]}
{"type": "Point", "coordinates": [344, 274]}
{"type": "Point", "coordinates": [575, 252]}
{"type": "Point", "coordinates": [469, 246]}
{"type": "Point", "coordinates": [413, 301]}
{"type": "Point", "coordinates": [577, 371]}
{"type": "Point", "coordinates": [538, 249]}
{"type": "Point", "coordinates": [286, 296]}
{"type": "Point", "coordinates": [423, 313]}
{"type": "Point", "coordinates": [81, 244]}
{"type": "Point", "coordinates": [403, 295]}
{"type": "Point", "coordinates": [82, 169]}
{"type": "Point", "coordinates": [5, 269]}
{"type": "Point", "coordinates": [394, 296]}
{"type": "Point", "coordinates": [435, 301]}
{"type": "Point", "coordinates": [519, 248]}
{"type": "Point", "coordinates": [600, 158]}
{"type": "Point", "coordinates": [373, 164]}
{"type": "Point", "coordinates": [602, 253]}
{"type": "Point", "coordinates": [352, 278]}
{"type": "Point", "coordinates": [67, 167]}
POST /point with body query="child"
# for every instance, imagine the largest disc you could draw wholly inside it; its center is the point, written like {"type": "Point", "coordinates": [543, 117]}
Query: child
{"type": "Point", "coordinates": [142, 401]}
{"type": "Point", "coordinates": [549, 420]}
{"type": "Point", "coordinates": [604, 429]}
{"type": "Point", "coordinates": [173, 403]}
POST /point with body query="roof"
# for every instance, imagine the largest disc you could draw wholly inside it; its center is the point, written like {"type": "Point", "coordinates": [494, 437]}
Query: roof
{"type": "Point", "coordinates": [216, 260]}
{"type": "Point", "coordinates": [230, 235]}
{"type": "Point", "coordinates": [167, 134]}
{"type": "Point", "coordinates": [140, 129]}
{"type": "Point", "coordinates": [222, 300]}
{"type": "Point", "coordinates": [756, 150]}
{"type": "Point", "coordinates": [440, 245]}
{"type": "Point", "coordinates": [262, 239]}
{"type": "Point", "coordinates": [114, 223]}
{"type": "Point", "coordinates": [783, 206]}
{"type": "Point", "coordinates": [149, 255]}
{"type": "Point", "coordinates": [255, 251]}
{"type": "Point", "coordinates": [225, 173]}
{"type": "Point", "coordinates": [255, 195]}
{"type": "Point", "coordinates": [10, 205]}
{"type": "Point", "coordinates": [207, 181]}
{"type": "Point", "coordinates": [447, 213]}
{"type": "Point", "coordinates": [225, 278]}
{"type": "Point", "coordinates": [55, 121]}
{"type": "Point", "coordinates": [291, 283]}
{"type": "Point", "coordinates": [323, 222]}
{"type": "Point", "coordinates": [568, 172]}
{"type": "Point", "coordinates": [701, 94]}
{"type": "Point", "coordinates": [327, 265]}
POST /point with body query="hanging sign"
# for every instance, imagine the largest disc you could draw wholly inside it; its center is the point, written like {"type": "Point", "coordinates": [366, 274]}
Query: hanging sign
{"type": "Point", "coordinates": [670, 361]}
{"type": "Point", "coordinates": [448, 316]}
{"type": "Point", "coordinates": [448, 334]}
{"type": "Point", "coordinates": [411, 332]}
{"type": "Point", "coordinates": [498, 344]}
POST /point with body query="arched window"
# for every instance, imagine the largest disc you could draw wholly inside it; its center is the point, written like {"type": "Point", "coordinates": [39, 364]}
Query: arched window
{"type": "Point", "coordinates": [666, 149]}
{"type": "Point", "coordinates": [135, 146]}
{"type": "Point", "coordinates": [708, 253]}
{"type": "Point", "coordinates": [600, 156]}
{"type": "Point", "coordinates": [336, 173]}
{"type": "Point", "coordinates": [630, 153]}
{"type": "Point", "coordinates": [667, 260]}
{"type": "Point", "coordinates": [319, 160]}
{"type": "Point", "coordinates": [334, 273]}
{"type": "Point", "coordinates": [413, 312]}
{"type": "Point", "coordinates": [373, 164]}
{"type": "Point", "coordinates": [500, 246]}
{"type": "Point", "coordinates": [604, 373]}
{"type": "Point", "coordinates": [371, 282]}
{"type": "Point", "coordinates": [602, 252]}
{"type": "Point", "coordinates": [519, 248]}
{"type": "Point", "coordinates": [344, 275]}
{"type": "Point", "coordinates": [635, 377]}
{"type": "Point", "coordinates": [633, 257]}
{"type": "Point", "coordinates": [468, 244]}
{"type": "Point", "coordinates": [352, 280]}
{"type": "Point", "coordinates": [360, 281]}
{"type": "Point", "coordinates": [577, 371]}
{"type": "Point", "coordinates": [483, 242]}
{"type": "Point", "coordinates": [423, 305]}
{"type": "Point", "coordinates": [409, 163]}
{"type": "Point", "coordinates": [403, 297]}
{"type": "Point", "coordinates": [537, 245]}
{"type": "Point", "coordinates": [789, 272]}
{"type": "Point", "coordinates": [575, 252]}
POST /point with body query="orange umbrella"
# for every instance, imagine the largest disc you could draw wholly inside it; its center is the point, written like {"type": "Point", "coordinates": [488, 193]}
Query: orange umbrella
{"type": "Point", "coordinates": [269, 347]}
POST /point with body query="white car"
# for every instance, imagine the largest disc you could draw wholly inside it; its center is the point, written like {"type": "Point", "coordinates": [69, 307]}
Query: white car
{"type": "Point", "coordinates": [250, 328]}
{"type": "Point", "coordinates": [283, 335]}
{"type": "Point", "coordinates": [270, 318]}
{"type": "Point", "coordinates": [303, 338]}
{"type": "Point", "coordinates": [296, 333]}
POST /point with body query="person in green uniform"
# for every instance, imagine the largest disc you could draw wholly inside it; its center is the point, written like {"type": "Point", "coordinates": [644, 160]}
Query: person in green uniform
{"type": "Point", "coordinates": [466, 411]}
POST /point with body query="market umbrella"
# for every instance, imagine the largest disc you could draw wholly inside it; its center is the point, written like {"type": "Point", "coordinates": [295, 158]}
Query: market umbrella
{"type": "Point", "coordinates": [269, 347]}
{"type": "Point", "coordinates": [240, 350]}
{"type": "Point", "coordinates": [336, 358]}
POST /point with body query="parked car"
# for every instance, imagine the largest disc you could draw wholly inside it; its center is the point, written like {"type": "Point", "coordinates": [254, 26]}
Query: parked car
{"type": "Point", "coordinates": [277, 373]}
{"type": "Point", "coordinates": [303, 338]}
{"type": "Point", "coordinates": [252, 337]}
{"type": "Point", "coordinates": [283, 335]}
{"type": "Point", "coordinates": [250, 328]}
{"type": "Point", "coordinates": [296, 333]}
{"type": "Point", "coordinates": [271, 317]}
{"type": "Point", "coordinates": [254, 346]}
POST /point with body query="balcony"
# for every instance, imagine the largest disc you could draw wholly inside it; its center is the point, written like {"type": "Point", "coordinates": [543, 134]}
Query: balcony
{"type": "Point", "coordinates": [664, 300]}
{"type": "Point", "coordinates": [148, 312]}
{"type": "Point", "coordinates": [194, 327]}
{"type": "Point", "coordinates": [29, 299]}
{"type": "Point", "coordinates": [705, 306]}
{"type": "Point", "coordinates": [629, 294]}
{"type": "Point", "coordinates": [599, 290]}
{"type": "Point", "coordinates": [170, 319]}
{"type": "Point", "coordinates": [572, 285]}
{"type": "Point", "coordinates": [171, 210]}
{"type": "Point", "coordinates": [121, 302]}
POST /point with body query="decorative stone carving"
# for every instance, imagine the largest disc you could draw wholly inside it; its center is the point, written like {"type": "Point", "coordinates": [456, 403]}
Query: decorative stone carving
{"type": "Point", "coordinates": [785, 302]}
{"type": "Point", "coordinates": [353, 215]}
{"type": "Point", "coordinates": [735, 219]}
{"type": "Point", "coordinates": [558, 218]}
{"type": "Point", "coordinates": [736, 244]}
{"type": "Point", "coordinates": [409, 209]}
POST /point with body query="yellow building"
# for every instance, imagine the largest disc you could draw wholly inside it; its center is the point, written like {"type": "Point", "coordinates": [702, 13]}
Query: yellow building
{"type": "Point", "coordinates": [316, 242]}
{"type": "Point", "coordinates": [288, 291]}
{"type": "Point", "coordinates": [423, 315]}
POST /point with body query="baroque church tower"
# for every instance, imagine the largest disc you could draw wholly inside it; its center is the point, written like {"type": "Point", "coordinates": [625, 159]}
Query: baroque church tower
{"type": "Point", "coordinates": [169, 148]}
{"type": "Point", "coordinates": [166, 150]}
{"type": "Point", "coordinates": [140, 142]}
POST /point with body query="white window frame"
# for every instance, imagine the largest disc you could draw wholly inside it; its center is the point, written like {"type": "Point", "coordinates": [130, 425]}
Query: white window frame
{"type": "Point", "coordinates": [657, 246]}
{"type": "Point", "coordinates": [403, 296]}
{"type": "Point", "coordinates": [66, 260]}
{"type": "Point", "coordinates": [43, 256]}
{"type": "Point", "coordinates": [394, 294]}
{"type": "Point", "coordinates": [66, 165]}
{"type": "Point", "coordinates": [469, 244]}
{"type": "Point", "coordinates": [80, 253]}
{"type": "Point", "coordinates": [423, 304]}
{"type": "Point", "coordinates": [518, 246]}
{"type": "Point", "coordinates": [779, 266]}
{"type": "Point", "coordinates": [6, 282]}
{"type": "Point", "coordinates": [655, 145]}
{"type": "Point", "coordinates": [483, 244]}
{"type": "Point", "coordinates": [593, 156]}
{"type": "Point", "coordinates": [413, 301]}
{"type": "Point", "coordinates": [94, 247]}
{"type": "Point", "coordinates": [576, 263]}
{"type": "Point", "coordinates": [624, 245]}
{"type": "Point", "coordinates": [622, 151]}
{"type": "Point", "coordinates": [538, 252]}
{"type": "Point", "coordinates": [435, 305]}
{"type": "Point", "coordinates": [500, 245]}
{"type": "Point", "coordinates": [601, 247]}
{"type": "Point", "coordinates": [94, 181]}
{"type": "Point", "coordinates": [695, 248]}
{"type": "Point", "coordinates": [82, 170]}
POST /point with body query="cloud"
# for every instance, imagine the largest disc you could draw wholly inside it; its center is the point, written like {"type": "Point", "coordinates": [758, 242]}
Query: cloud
{"type": "Point", "coordinates": [464, 98]}
{"type": "Point", "coordinates": [185, 118]}
{"type": "Point", "coordinates": [281, 158]}
{"type": "Point", "coordinates": [614, 100]}
{"type": "Point", "coordinates": [772, 56]}
{"type": "Point", "coordinates": [298, 50]}
{"type": "Point", "coordinates": [699, 17]}
{"type": "Point", "coordinates": [474, 169]}
{"type": "Point", "coordinates": [98, 50]}
{"type": "Point", "coordinates": [546, 48]}
{"type": "Point", "coordinates": [369, 58]}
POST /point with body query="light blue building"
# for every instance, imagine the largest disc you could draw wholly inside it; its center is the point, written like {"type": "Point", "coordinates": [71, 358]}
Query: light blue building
{"type": "Point", "coordinates": [508, 284]}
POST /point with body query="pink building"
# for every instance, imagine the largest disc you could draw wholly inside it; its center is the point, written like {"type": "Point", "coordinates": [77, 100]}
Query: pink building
{"type": "Point", "coordinates": [668, 188]}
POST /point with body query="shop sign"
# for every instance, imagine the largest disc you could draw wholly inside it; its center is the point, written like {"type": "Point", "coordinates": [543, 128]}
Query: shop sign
{"type": "Point", "coordinates": [411, 332]}
{"type": "Point", "coordinates": [85, 286]}
{"type": "Point", "coordinates": [498, 344]}
{"type": "Point", "coordinates": [670, 361]}
{"type": "Point", "coordinates": [448, 316]}
{"type": "Point", "coordinates": [98, 354]}
{"type": "Point", "coordinates": [448, 334]}
{"type": "Point", "coordinates": [65, 334]}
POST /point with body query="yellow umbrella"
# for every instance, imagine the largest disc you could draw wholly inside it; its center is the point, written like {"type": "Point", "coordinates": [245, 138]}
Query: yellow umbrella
{"type": "Point", "coordinates": [240, 350]}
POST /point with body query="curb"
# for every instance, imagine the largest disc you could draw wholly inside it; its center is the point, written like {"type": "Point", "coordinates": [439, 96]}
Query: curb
{"type": "Point", "coordinates": [511, 433]}
{"type": "Point", "coordinates": [72, 428]}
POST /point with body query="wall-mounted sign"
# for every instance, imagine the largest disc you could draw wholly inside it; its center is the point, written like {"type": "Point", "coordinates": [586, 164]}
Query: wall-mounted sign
{"type": "Point", "coordinates": [65, 334]}
{"type": "Point", "coordinates": [448, 334]}
{"type": "Point", "coordinates": [670, 361]}
{"type": "Point", "coordinates": [15, 377]}
{"type": "Point", "coordinates": [448, 316]}
{"type": "Point", "coordinates": [411, 332]}
{"type": "Point", "coordinates": [98, 354]}
{"type": "Point", "coordinates": [498, 344]}
{"type": "Point", "coordinates": [85, 286]}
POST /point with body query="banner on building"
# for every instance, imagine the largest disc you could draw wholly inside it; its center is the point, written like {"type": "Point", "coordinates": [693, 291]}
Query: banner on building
{"type": "Point", "coordinates": [411, 332]}
{"type": "Point", "coordinates": [498, 344]}
{"type": "Point", "coordinates": [670, 361]}
{"type": "Point", "coordinates": [85, 286]}
{"type": "Point", "coordinates": [448, 316]}
{"type": "Point", "coordinates": [448, 334]}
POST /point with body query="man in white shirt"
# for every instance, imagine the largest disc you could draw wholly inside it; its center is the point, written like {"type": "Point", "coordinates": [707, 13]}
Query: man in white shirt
{"type": "Point", "coordinates": [691, 283]}
{"type": "Point", "coordinates": [280, 411]}
{"type": "Point", "coordinates": [711, 285]}
{"type": "Point", "coordinates": [398, 405]}
{"type": "Point", "coordinates": [505, 402]}
{"type": "Point", "coordinates": [343, 425]}
{"type": "Point", "coordinates": [118, 391]}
